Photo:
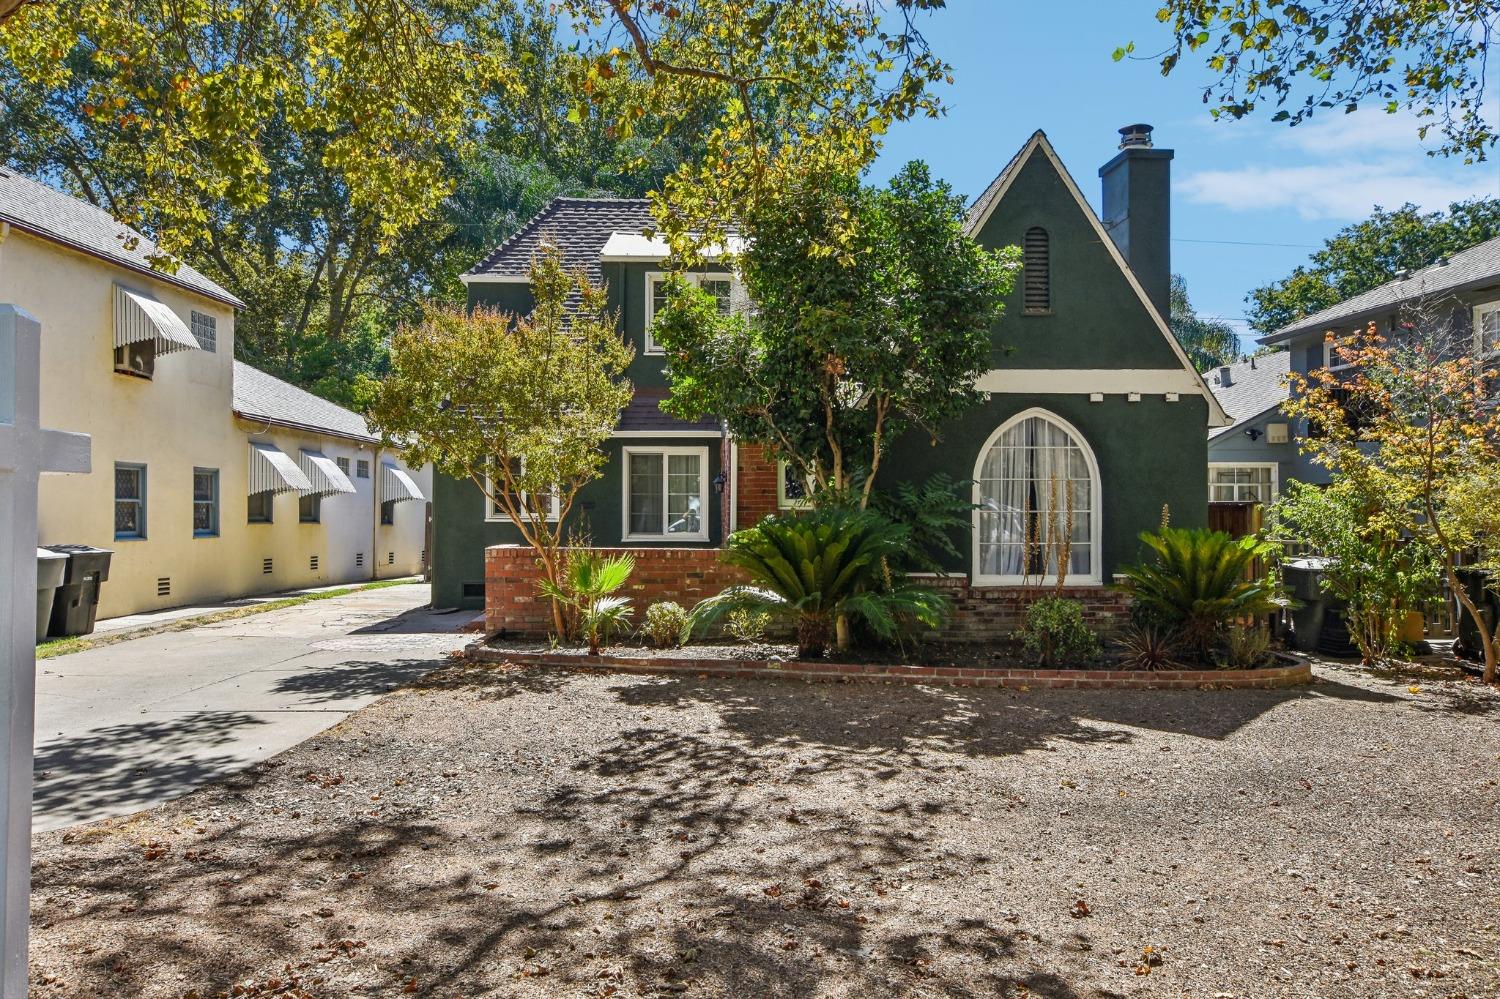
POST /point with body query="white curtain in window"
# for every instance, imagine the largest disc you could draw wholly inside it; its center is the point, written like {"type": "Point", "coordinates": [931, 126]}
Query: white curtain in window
{"type": "Point", "coordinates": [646, 500]}
{"type": "Point", "coordinates": [1033, 481]}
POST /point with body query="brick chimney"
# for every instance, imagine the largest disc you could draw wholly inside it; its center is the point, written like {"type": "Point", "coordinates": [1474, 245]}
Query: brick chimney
{"type": "Point", "coordinates": [1138, 210]}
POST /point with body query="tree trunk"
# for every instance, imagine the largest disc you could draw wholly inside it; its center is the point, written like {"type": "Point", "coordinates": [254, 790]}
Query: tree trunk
{"type": "Point", "coordinates": [1486, 636]}
{"type": "Point", "coordinates": [812, 637]}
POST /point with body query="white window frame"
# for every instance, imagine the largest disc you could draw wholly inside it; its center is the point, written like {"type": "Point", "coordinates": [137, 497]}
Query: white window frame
{"type": "Point", "coordinates": [212, 502]}
{"type": "Point", "coordinates": [736, 297]}
{"type": "Point", "coordinates": [1480, 311]}
{"type": "Point", "coordinates": [1096, 509]}
{"type": "Point", "coordinates": [782, 501]}
{"type": "Point", "coordinates": [1275, 484]}
{"type": "Point", "coordinates": [494, 515]}
{"type": "Point", "coordinates": [626, 455]}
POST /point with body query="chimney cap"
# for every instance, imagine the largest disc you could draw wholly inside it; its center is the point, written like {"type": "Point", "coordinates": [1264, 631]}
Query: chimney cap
{"type": "Point", "coordinates": [1137, 136]}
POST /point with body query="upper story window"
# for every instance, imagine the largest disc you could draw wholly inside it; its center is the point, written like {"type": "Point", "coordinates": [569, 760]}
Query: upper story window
{"type": "Point", "coordinates": [1036, 272]}
{"type": "Point", "coordinates": [145, 330]}
{"type": "Point", "coordinates": [206, 331]}
{"type": "Point", "coordinates": [1487, 329]}
{"type": "Point", "coordinates": [728, 293]}
{"type": "Point", "coordinates": [343, 464]}
{"type": "Point", "coordinates": [361, 469]}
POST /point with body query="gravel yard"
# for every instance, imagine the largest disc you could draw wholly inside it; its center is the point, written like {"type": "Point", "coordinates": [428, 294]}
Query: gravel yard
{"type": "Point", "coordinates": [508, 832]}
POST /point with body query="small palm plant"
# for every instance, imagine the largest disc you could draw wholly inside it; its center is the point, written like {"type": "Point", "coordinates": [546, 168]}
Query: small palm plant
{"type": "Point", "coordinates": [1200, 582]}
{"type": "Point", "coordinates": [588, 589]}
{"type": "Point", "coordinates": [818, 567]}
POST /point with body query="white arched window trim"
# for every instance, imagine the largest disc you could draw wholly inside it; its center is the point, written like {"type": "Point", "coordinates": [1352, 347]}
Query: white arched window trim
{"type": "Point", "coordinates": [1096, 518]}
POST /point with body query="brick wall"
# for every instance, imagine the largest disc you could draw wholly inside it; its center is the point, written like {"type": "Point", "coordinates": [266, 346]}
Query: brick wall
{"type": "Point", "coordinates": [512, 604]}
{"type": "Point", "coordinates": [986, 613]}
{"type": "Point", "coordinates": [756, 474]}
{"type": "Point", "coordinates": [687, 575]}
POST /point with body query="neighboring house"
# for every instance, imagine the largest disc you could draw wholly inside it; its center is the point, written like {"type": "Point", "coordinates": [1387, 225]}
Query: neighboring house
{"type": "Point", "coordinates": [189, 447]}
{"type": "Point", "coordinates": [1088, 387]}
{"type": "Point", "coordinates": [1251, 460]}
{"type": "Point", "coordinates": [1461, 292]}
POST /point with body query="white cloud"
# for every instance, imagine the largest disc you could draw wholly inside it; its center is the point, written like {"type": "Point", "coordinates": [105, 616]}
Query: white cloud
{"type": "Point", "coordinates": [1340, 191]}
{"type": "Point", "coordinates": [1334, 167]}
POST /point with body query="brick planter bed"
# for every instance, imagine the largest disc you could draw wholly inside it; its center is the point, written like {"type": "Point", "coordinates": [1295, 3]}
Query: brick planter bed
{"type": "Point", "coordinates": [1289, 673]}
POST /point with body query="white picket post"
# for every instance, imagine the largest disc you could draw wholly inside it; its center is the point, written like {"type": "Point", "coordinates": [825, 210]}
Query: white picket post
{"type": "Point", "coordinates": [26, 450]}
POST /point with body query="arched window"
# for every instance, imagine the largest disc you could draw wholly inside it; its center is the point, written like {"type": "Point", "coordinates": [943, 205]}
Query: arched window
{"type": "Point", "coordinates": [1036, 272]}
{"type": "Point", "coordinates": [1036, 490]}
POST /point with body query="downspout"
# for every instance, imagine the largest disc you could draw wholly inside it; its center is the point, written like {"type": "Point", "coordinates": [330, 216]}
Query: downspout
{"type": "Point", "coordinates": [374, 512]}
{"type": "Point", "coordinates": [734, 484]}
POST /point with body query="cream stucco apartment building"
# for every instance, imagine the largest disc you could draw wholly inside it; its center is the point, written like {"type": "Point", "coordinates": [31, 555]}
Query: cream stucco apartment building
{"type": "Point", "coordinates": [211, 479]}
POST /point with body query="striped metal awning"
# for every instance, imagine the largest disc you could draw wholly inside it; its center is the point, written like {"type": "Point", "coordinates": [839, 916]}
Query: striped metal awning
{"type": "Point", "coordinates": [325, 475]}
{"type": "Point", "coordinates": [396, 486]}
{"type": "Point", "coordinates": [140, 317]}
{"type": "Point", "coordinates": [272, 471]}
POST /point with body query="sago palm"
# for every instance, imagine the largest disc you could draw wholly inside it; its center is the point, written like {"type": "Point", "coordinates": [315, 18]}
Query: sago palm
{"type": "Point", "coordinates": [818, 567]}
{"type": "Point", "coordinates": [588, 587]}
{"type": "Point", "coordinates": [1199, 583]}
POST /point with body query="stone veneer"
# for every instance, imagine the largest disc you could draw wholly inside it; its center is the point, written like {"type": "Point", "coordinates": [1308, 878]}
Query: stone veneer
{"type": "Point", "coordinates": [687, 575]}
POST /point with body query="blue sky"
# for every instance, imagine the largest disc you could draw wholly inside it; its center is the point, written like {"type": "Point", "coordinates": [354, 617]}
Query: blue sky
{"type": "Point", "coordinates": [1023, 66]}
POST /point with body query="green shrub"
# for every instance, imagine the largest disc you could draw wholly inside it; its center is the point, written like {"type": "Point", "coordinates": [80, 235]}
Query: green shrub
{"type": "Point", "coordinates": [818, 567]}
{"type": "Point", "coordinates": [1198, 584]}
{"type": "Point", "coordinates": [587, 590]}
{"type": "Point", "coordinates": [748, 626]}
{"type": "Point", "coordinates": [1246, 646]}
{"type": "Point", "coordinates": [1054, 632]}
{"type": "Point", "coordinates": [667, 625]}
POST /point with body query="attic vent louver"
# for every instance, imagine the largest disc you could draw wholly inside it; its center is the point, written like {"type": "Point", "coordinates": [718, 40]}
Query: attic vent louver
{"type": "Point", "coordinates": [1036, 272]}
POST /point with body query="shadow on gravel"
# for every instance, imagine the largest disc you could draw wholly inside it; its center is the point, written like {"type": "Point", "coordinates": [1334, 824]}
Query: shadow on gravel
{"type": "Point", "coordinates": [80, 777]}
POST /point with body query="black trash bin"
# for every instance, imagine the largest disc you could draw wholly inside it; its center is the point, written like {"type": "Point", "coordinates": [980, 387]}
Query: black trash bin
{"type": "Point", "coordinates": [77, 599]}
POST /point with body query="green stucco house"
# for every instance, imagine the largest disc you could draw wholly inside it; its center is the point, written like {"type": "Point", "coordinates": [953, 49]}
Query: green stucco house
{"type": "Point", "coordinates": [1088, 388]}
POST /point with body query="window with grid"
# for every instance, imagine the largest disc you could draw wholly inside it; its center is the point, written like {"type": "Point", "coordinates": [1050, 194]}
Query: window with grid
{"type": "Point", "coordinates": [1036, 271]}
{"type": "Point", "coordinates": [666, 493]}
{"type": "Point", "coordinates": [362, 469]}
{"type": "Point", "coordinates": [548, 500]}
{"type": "Point", "coordinates": [343, 464]}
{"type": "Point", "coordinates": [724, 290]}
{"type": "Point", "coordinates": [130, 501]}
{"type": "Point", "coordinates": [206, 331]}
{"type": "Point", "coordinates": [1241, 484]}
{"type": "Point", "coordinates": [205, 502]}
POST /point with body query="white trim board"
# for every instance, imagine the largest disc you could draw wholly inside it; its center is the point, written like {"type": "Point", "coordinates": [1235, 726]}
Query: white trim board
{"type": "Point", "coordinates": [1216, 415]}
{"type": "Point", "coordinates": [1086, 381]}
{"type": "Point", "coordinates": [469, 279]}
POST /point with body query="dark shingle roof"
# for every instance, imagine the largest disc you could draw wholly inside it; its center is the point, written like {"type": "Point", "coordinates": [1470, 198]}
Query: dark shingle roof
{"type": "Point", "coordinates": [644, 414]}
{"type": "Point", "coordinates": [1256, 385]}
{"type": "Point", "coordinates": [579, 227]}
{"type": "Point", "coordinates": [1474, 267]}
{"type": "Point", "coordinates": [46, 212]}
{"type": "Point", "coordinates": [983, 203]}
{"type": "Point", "coordinates": [259, 396]}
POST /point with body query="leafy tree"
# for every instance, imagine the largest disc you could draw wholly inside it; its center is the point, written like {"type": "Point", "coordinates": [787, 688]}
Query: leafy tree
{"type": "Point", "coordinates": [1208, 342]}
{"type": "Point", "coordinates": [1413, 424]}
{"type": "Point", "coordinates": [846, 350]}
{"type": "Point", "coordinates": [195, 87]}
{"type": "Point", "coordinates": [519, 405]}
{"type": "Point", "coordinates": [1374, 569]}
{"type": "Point", "coordinates": [1303, 56]}
{"type": "Point", "coordinates": [1367, 254]}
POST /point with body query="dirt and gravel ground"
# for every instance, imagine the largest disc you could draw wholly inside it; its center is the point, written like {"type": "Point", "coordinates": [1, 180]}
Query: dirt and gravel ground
{"type": "Point", "coordinates": [505, 832]}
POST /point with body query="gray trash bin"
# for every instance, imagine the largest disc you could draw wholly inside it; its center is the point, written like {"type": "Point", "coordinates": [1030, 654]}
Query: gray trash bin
{"type": "Point", "coordinates": [51, 567]}
{"type": "Point", "coordinates": [77, 599]}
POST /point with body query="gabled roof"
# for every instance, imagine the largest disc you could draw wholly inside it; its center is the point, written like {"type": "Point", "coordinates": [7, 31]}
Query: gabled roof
{"type": "Point", "coordinates": [578, 227]}
{"type": "Point", "coordinates": [47, 213]}
{"type": "Point", "coordinates": [259, 396]}
{"type": "Point", "coordinates": [1256, 386]}
{"type": "Point", "coordinates": [1475, 267]}
{"type": "Point", "coordinates": [984, 207]}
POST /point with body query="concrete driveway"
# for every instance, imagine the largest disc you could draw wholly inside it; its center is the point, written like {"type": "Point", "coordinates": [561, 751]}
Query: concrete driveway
{"type": "Point", "coordinates": [130, 725]}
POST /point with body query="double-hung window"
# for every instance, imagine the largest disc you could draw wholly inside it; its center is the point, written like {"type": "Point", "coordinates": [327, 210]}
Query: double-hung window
{"type": "Point", "coordinates": [666, 493]}
{"type": "Point", "coordinates": [362, 469]}
{"type": "Point", "coordinates": [130, 501]}
{"type": "Point", "coordinates": [205, 502]}
{"type": "Point", "coordinates": [792, 490]}
{"type": "Point", "coordinates": [1487, 330]}
{"type": "Point", "coordinates": [726, 291]}
{"type": "Point", "coordinates": [548, 502]}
